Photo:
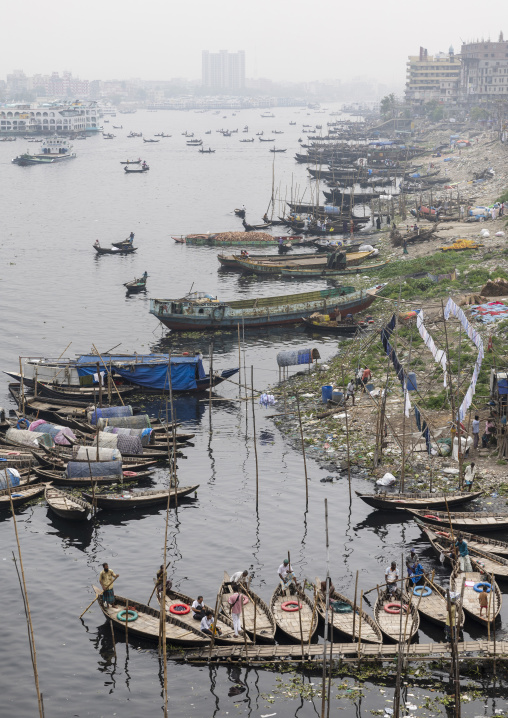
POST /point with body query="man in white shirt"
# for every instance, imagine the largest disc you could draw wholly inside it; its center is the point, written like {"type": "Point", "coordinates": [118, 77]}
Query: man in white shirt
{"type": "Point", "coordinates": [286, 575]}
{"type": "Point", "coordinates": [350, 392]}
{"type": "Point", "coordinates": [207, 625]}
{"type": "Point", "coordinates": [391, 578]}
{"type": "Point", "coordinates": [239, 577]}
{"type": "Point", "coordinates": [476, 432]}
{"type": "Point", "coordinates": [198, 609]}
{"type": "Point", "coordinates": [469, 475]}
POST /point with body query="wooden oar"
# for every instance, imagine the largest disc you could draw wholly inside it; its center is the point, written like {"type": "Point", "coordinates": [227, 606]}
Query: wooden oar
{"type": "Point", "coordinates": [99, 595]}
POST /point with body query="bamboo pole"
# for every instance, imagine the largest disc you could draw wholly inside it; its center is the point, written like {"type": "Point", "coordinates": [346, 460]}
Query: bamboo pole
{"type": "Point", "coordinates": [347, 437]}
{"type": "Point", "coordinates": [239, 361]}
{"type": "Point", "coordinates": [254, 436]}
{"type": "Point", "coordinates": [113, 637]}
{"type": "Point", "coordinates": [25, 599]}
{"type": "Point", "coordinates": [210, 371]}
{"type": "Point", "coordinates": [303, 452]}
{"type": "Point", "coordinates": [212, 641]}
{"type": "Point", "coordinates": [327, 602]}
{"type": "Point", "coordinates": [173, 431]}
{"type": "Point", "coordinates": [102, 360]}
{"type": "Point", "coordinates": [360, 626]}
{"type": "Point", "coordinates": [354, 605]}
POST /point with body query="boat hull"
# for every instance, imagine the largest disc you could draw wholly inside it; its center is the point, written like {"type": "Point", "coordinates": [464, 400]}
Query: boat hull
{"type": "Point", "coordinates": [393, 503]}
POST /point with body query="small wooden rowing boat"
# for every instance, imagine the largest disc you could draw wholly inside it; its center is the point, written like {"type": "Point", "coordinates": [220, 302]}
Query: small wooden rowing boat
{"type": "Point", "coordinates": [257, 617]}
{"type": "Point", "coordinates": [117, 250]}
{"type": "Point", "coordinates": [66, 505]}
{"type": "Point", "coordinates": [423, 500]}
{"type": "Point", "coordinates": [287, 611]}
{"type": "Point", "coordinates": [487, 545]}
{"type": "Point", "coordinates": [463, 521]}
{"type": "Point", "coordinates": [433, 605]}
{"type": "Point", "coordinates": [227, 636]}
{"type": "Point", "coordinates": [342, 622]}
{"type": "Point", "coordinates": [136, 285]}
{"type": "Point", "coordinates": [138, 499]}
{"type": "Point", "coordinates": [303, 273]}
{"type": "Point", "coordinates": [136, 171]}
{"type": "Point", "coordinates": [481, 561]}
{"type": "Point", "coordinates": [131, 162]}
{"type": "Point", "coordinates": [59, 477]}
{"type": "Point", "coordinates": [387, 617]}
{"type": "Point", "coordinates": [146, 623]}
{"type": "Point", "coordinates": [334, 327]}
{"type": "Point", "coordinates": [20, 494]}
{"type": "Point", "coordinates": [470, 601]}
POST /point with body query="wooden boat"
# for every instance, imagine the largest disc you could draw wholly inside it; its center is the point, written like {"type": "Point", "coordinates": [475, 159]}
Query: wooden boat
{"type": "Point", "coordinates": [256, 613]}
{"type": "Point", "coordinates": [288, 621]}
{"type": "Point", "coordinates": [334, 327]}
{"type": "Point", "coordinates": [240, 213]}
{"type": "Point", "coordinates": [425, 500]}
{"type": "Point", "coordinates": [66, 505]}
{"type": "Point", "coordinates": [481, 561]}
{"type": "Point", "coordinates": [59, 478]}
{"type": "Point", "coordinates": [229, 261]}
{"type": "Point", "coordinates": [389, 623]}
{"type": "Point", "coordinates": [136, 171]}
{"type": "Point", "coordinates": [117, 250]}
{"type": "Point", "coordinates": [331, 273]}
{"type": "Point", "coordinates": [209, 151]}
{"type": "Point", "coordinates": [140, 499]}
{"type": "Point", "coordinates": [227, 637]}
{"type": "Point", "coordinates": [136, 285]}
{"type": "Point", "coordinates": [131, 162]}
{"type": "Point", "coordinates": [57, 460]}
{"type": "Point", "coordinates": [255, 227]}
{"type": "Point", "coordinates": [251, 140]}
{"type": "Point", "coordinates": [462, 521]}
{"type": "Point", "coordinates": [470, 602]}
{"type": "Point", "coordinates": [71, 394]}
{"type": "Point", "coordinates": [20, 494]}
{"type": "Point", "coordinates": [343, 622]}
{"type": "Point", "coordinates": [489, 545]}
{"type": "Point", "coordinates": [272, 149]}
{"type": "Point", "coordinates": [267, 139]}
{"type": "Point", "coordinates": [147, 623]}
{"type": "Point", "coordinates": [145, 140]}
{"type": "Point", "coordinates": [310, 265]}
{"type": "Point", "coordinates": [193, 313]}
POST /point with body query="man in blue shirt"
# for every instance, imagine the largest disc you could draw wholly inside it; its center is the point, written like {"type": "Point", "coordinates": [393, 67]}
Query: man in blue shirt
{"type": "Point", "coordinates": [464, 560]}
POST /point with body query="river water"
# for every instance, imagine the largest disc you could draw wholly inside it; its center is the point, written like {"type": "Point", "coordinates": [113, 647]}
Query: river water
{"type": "Point", "coordinates": [55, 290]}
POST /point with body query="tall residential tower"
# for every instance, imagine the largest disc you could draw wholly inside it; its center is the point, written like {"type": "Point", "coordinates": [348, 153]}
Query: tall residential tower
{"type": "Point", "coordinates": [224, 71]}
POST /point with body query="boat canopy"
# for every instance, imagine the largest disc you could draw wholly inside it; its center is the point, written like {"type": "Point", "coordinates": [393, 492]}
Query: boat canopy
{"type": "Point", "coordinates": [148, 370]}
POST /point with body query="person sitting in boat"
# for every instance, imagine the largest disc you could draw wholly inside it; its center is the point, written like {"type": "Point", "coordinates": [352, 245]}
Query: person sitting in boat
{"type": "Point", "coordinates": [207, 625]}
{"type": "Point", "coordinates": [265, 218]}
{"type": "Point", "coordinates": [391, 578]}
{"type": "Point", "coordinates": [144, 165]}
{"type": "Point", "coordinates": [322, 589]}
{"type": "Point", "coordinates": [244, 253]}
{"type": "Point", "coordinates": [286, 576]}
{"type": "Point", "coordinates": [451, 616]}
{"type": "Point", "coordinates": [198, 609]}
{"type": "Point", "coordinates": [96, 243]}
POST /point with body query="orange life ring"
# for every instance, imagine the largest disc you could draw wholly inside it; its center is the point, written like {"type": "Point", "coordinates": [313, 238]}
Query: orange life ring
{"type": "Point", "coordinates": [430, 516]}
{"type": "Point", "coordinates": [442, 533]}
{"type": "Point", "coordinates": [389, 609]}
{"type": "Point", "coordinates": [291, 606]}
{"type": "Point", "coordinates": [179, 609]}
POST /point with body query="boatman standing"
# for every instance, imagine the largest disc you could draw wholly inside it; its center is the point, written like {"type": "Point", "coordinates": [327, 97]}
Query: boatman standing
{"type": "Point", "coordinates": [239, 577]}
{"type": "Point", "coordinates": [235, 606]}
{"type": "Point", "coordinates": [107, 578]}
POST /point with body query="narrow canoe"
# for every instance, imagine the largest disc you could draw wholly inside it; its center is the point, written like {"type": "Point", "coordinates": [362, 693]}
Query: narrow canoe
{"type": "Point", "coordinates": [481, 561]}
{"type": "Point", "coordinates": [465, 520]}
{"type": "Point", "coordinates": [470, 601]}
{"type": "Point", "coordinates": [65, 505]}
{"type": "Point", "coordinates": [487, 545]}
{"type": "Point", "coordinates": [343, 622]}
{"type": "Point", "coordinates": [59, 477]}
{"type": "Point", "coordinates": [288, 622]}
{"type": "Point", "coordinates": [147, 623]}
{"type": "Point", "coordinates": [434, 606]}
{"type": "Point", "coordinates": [227, 637]}
{"type": "Point", "coordinates": [256, 613]}
{"type": "Point", "coordinates": [141, 499]}
{"type": "Point", "coordinates": [424, 500]}
{"type": "Point", "coordinates": [389, 623]}
{"type": "Point", "coordinates": [20, 494]}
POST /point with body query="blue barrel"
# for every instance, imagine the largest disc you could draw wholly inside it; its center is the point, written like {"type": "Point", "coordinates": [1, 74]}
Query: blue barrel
{"type": "Point", "coordinates": [411, 381]}
{"type": "Point", "coordinates": [326, 393]}
{"type": "Point", "coordinates": [337, 396]}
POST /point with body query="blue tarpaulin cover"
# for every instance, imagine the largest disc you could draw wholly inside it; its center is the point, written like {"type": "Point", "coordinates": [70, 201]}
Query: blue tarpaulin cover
{"type": "Point", "coordinates": [149, 370]}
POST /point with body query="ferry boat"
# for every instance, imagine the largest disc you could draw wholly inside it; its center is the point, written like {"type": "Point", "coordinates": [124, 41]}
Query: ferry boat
{"type": "Point", "coordinates": [53, 149]}
{"type": "Point", "coordinates": [267, 114]}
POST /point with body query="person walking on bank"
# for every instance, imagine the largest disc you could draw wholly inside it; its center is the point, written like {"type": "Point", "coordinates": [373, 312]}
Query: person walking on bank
{"type": "Point", "coordinates": [106, 579]}
{"type": "Point", "coordinates": [350, 392]}
{"type": "Point", "coordinates": [476, 432]}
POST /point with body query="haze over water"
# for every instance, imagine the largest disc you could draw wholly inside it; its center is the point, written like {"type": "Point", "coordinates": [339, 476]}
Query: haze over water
{"type": "Point", "coordinates": [54, 291]}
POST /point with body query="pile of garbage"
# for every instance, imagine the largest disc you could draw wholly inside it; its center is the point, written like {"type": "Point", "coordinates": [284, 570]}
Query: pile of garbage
{"type": "Point", "coordinates": [495, 288]}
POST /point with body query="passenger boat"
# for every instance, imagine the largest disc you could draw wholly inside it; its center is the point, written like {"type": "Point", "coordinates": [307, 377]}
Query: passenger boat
{"type": "Point", "coordinates": [225, 624]}
{"type": "Point", "coordinates": [267, 139]}
{"type": "Point", "coordinates": [198, 311]}
{"type": "Point", "coordinates": [229, 261]}
{"type": "Point", "coordinates": [136, 171]}
{"type": "Point", "coordinates": [140, 499]}
{"type": "Point", "coordinates": [134, 134]}
{"type": "Point", "coordinates": [433, 605]}
{"type": "Point", "coordinates": [136, 285]}
{"type": "Point", "coordinates": [54, 149]}
{"type": "Point", "coordinates": [470, 602]}
{"type": "Point", "coordinates": [67, 395]}
{"type": "Point", "coordinates": [257, 618]}
{"type": "Point", "coordinates": [273, 149]}
{"type": "Point", "coordinates": [296, 273]}
{"type": "Point", "coordinates": [255, 227]}
{"type": "Point", "coordinates": [488, 545]}
{"type": "Point", "coordinates": [117, 250]}
{"type": "Point", "coordinates": [346, 623]}
{"type": "Point", "coordinates": [66, 505]}
{"type": "Point", "coordinates": [194, 143]}
{"type": "Point", "coordinates": [293, 266]}
{"type": "Point", "coordinates": [387, 616]}
{"type": "Point", "coordinates": [481, 561]}
{"type": "Point", "coordinates": [145, 140]}
{"type": "Point", "coordinates": [131, 162]}
{"type": "Point", "coordinates": [251, 140]}
{"type": "Point", "coordinates": [424, 500]}
{"type": "Point", "coordinates": [463, 521]}
{"type": "Point", "coordinates": [60, 478]}
{"type": "Point", "coordinates": [287, 611]}
{"type": "Point", "coordinates": [19, 494]}
{"type": "Point", "coordinates": [146, 623]}
{"type": "Point", "coordinates": [209, 151]}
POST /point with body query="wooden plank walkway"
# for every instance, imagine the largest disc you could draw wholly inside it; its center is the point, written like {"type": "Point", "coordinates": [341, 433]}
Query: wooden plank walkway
{"type": "Point", "coordinates": [343, 651]}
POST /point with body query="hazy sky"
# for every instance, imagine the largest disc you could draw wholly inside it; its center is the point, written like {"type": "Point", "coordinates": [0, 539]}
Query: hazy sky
{"type": "Point", "coordinates": [283, 39]}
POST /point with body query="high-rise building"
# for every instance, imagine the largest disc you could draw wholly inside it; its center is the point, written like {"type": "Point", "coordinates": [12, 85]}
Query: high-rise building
{"type": "Point", "coordinates": [485, 70]}
{"type": "Point", "coordinates": [224, 71]}
{"type": "Point", "coordinates": [432, 77]}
